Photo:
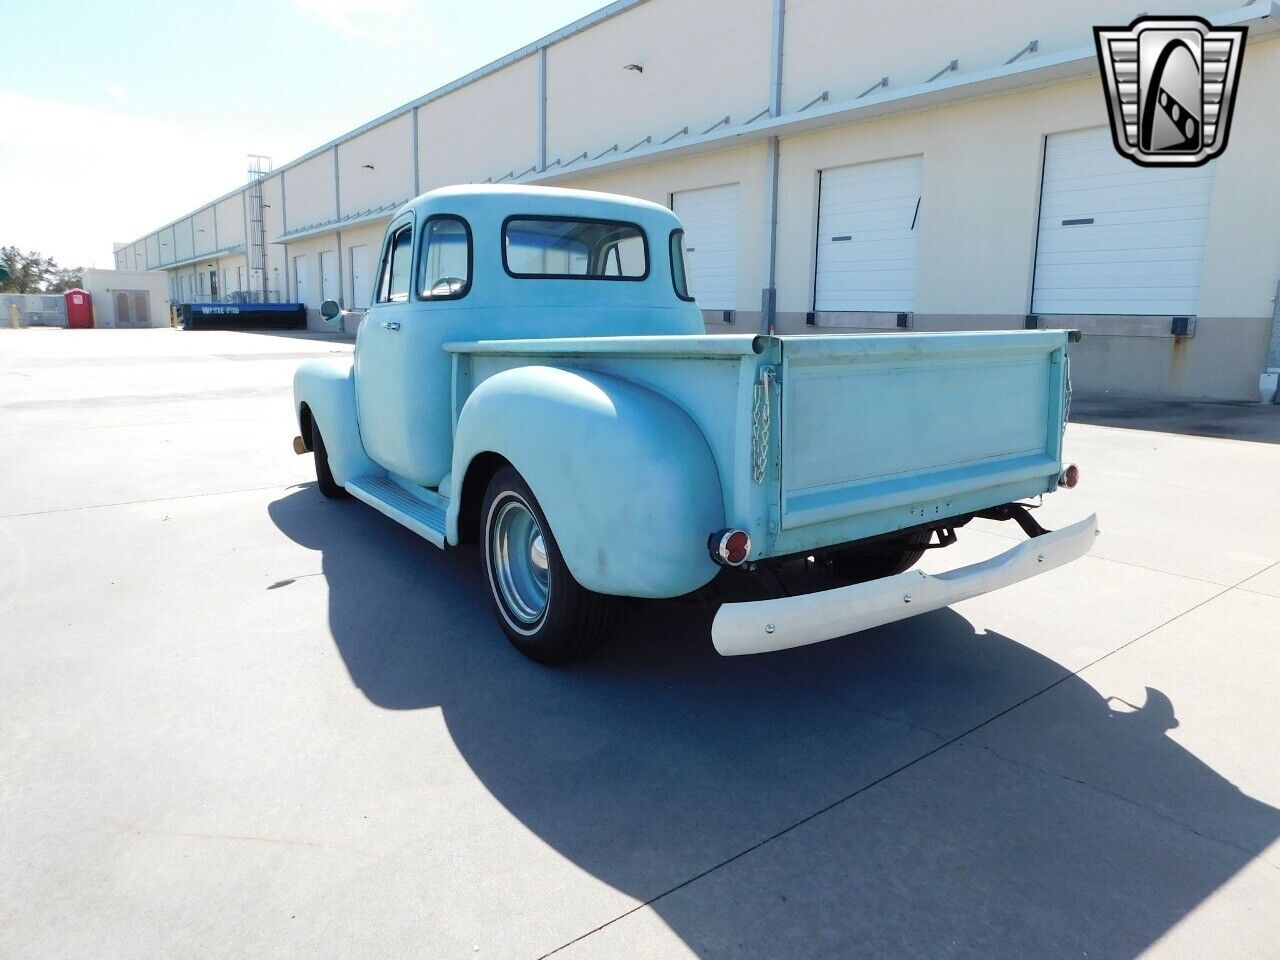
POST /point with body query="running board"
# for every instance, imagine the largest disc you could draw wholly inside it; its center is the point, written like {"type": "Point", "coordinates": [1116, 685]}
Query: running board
{"type": "Point", "coordinates": [419, 514]}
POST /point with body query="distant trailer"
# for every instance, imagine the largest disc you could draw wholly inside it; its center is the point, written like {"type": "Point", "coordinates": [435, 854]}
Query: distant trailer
{"type": "Point", "coordinates": [242, 316]}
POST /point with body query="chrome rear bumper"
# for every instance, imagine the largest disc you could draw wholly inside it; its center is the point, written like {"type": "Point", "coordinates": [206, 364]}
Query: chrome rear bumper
{"type": "Point", "coordinates": [764, 625]}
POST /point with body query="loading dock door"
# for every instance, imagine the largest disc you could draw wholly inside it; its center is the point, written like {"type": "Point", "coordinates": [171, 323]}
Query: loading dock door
{"type": "Point", "coordinates": [300, 279]}
{"type": "Point", "coordinates": [361, 288]}
{"type": "Point", "coordinates": [868, 233]}
{"type": "Point", "coordinates": [710, 218]}
{"type": "Point", "coordinates": [1116, 238]}
{"type": "Point", "coordinates": [329, 275]}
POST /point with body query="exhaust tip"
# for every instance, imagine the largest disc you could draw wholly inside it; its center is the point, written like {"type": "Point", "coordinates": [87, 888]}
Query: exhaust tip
{"type": "Point", "coordinates": [299, 446]}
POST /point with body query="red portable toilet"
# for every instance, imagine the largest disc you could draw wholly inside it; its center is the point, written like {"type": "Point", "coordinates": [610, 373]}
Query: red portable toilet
{"type": "Point", "coordinates": [79, 309]}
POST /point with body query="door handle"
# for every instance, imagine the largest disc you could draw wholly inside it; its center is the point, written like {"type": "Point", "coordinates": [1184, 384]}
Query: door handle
{"type": "Point", "coordinates": [390, 324]}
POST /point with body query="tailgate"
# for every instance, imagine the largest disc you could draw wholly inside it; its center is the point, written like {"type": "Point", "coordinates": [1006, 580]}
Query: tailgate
{"type": "Point", "coordinates": [898, 429]}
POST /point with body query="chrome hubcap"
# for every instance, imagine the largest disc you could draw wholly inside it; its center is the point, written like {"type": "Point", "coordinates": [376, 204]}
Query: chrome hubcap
{"type": "Point", "coordinates": [519, 557]}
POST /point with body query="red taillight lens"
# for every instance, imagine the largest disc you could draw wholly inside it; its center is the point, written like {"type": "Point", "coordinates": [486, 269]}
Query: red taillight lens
{"type": "Point", "coordinates": [730, 547]}
{"type": "Point", "coordinates": [1070, 477]}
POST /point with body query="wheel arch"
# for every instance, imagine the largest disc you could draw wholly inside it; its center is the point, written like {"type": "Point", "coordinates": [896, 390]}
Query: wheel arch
{"type": "Point", "coordinates": [305, 425]}
{"type": "Point", "coordinates": [325, 400]}
{"type": "Point", "coordinates": [624, 476]}
{"type": "Point", "coordinates": [479, 472]}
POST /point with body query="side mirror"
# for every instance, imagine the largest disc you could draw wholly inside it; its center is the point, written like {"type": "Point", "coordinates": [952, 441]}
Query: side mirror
{"type": "Point", "coordinates": [330, 312]}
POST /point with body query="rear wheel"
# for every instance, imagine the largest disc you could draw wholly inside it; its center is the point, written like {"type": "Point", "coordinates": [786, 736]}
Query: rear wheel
{"type": "Point", "coordinates": [884, 558]}
{"type": "Point", "coordinates": [546, 614]}
{"type": "Point", "coordinates": [324, 476]}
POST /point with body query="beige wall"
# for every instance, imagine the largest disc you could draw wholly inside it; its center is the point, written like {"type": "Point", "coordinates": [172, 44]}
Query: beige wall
{"type": "Point", "coordinates": [982, 161]}
{"type": "Point", "coordinates": [230, 218]}
{"type": "Point", "coordinates": [1242, 262]}
{"type": "Point", "coordinates": [482, 130]}
{"type": "Point", "coordinates": [203, 224]}
{"type": "Point", "coordinates": [309, 192]}
{"type": "Point", "coordinates": [701, 61]}
{"type": "Point", "coordinates": [180, 240]}
{"type": "Point", "coordinates": [389, 149]}
{"type": "Point", "coordinates": [845, 46]}
{"type": "Point", "coordinates": [167, 251]}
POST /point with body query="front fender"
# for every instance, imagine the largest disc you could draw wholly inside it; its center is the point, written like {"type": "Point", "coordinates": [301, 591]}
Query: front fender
{"type": "Point", "coordinates": [328, 389]}
{"type": "Point", "coordinates": [624, 476]}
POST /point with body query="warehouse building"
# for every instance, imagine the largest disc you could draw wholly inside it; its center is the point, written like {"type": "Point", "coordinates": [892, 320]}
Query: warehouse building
{"type": "Point", "coordinates": [841, 165]}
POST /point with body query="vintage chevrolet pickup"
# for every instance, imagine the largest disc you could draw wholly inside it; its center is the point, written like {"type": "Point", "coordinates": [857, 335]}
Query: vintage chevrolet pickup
{"type": "Point", "coordinates": [535, 376]}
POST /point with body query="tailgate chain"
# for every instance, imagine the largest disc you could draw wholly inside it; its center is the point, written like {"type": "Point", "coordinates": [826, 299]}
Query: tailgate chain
{"type": "Point", "coordinates": [760, 420]}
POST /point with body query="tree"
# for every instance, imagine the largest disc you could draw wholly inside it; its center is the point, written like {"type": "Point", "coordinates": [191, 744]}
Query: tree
{"type": "Point", "coordinates": [64, 279]}
{"type": "Point", "coordinates": [32, 273]}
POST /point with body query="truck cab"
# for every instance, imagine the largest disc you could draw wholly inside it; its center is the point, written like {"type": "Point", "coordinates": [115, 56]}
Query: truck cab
{"type": "Point", "coordinates": [459, 264]}
{"type": "Point", "coordinates": [535, 376]}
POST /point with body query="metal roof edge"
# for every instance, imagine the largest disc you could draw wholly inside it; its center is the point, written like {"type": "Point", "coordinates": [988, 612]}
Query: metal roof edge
{"type": "Point", "coordinates": [1044, 69]}
{"type": "Point", "coordinates": [384, 212]}
{"type": "Point", "coordinates": [578, 26]}
{"type": "Point", "coordinates": [234, 250]}
{"type": "Point", "coordinates": [1049, 68]}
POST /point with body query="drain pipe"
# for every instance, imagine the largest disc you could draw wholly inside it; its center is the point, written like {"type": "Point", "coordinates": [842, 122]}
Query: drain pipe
{"type": "Point", "coordinates": [1269, 382]}
{"type": "Point", "coordinates": [769, 296]}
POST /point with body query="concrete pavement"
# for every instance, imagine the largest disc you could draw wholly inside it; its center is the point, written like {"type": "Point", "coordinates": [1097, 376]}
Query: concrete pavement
{"type": "Point", "coordinates": [239, 720]}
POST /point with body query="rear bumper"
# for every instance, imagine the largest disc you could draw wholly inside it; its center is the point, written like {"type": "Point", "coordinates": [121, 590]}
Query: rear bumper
{"type": "Point", "coordinates": [764, 625]}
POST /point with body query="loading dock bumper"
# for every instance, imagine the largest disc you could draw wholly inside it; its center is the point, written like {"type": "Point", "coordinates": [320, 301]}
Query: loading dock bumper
{"type": "Point", "coordinates": [761, 626]}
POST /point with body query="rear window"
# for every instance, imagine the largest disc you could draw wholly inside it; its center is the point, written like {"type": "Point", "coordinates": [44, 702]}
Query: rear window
{"type": "Point", "coordinates": [574, 248]}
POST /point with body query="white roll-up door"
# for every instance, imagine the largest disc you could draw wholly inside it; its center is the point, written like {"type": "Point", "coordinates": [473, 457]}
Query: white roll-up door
{"type": "Point", "coordinates": [868, 233]}
{"type": "Point", "coordinates": [329, 275]}
{"type": "Point", "coordinates": [361, 285]}
{"type": "Point", "coordinates": [710, 219]}
{"type": "Point", "coordinates": [1116, 238]}
{"type": "Point", "coordinates": [300, 285]}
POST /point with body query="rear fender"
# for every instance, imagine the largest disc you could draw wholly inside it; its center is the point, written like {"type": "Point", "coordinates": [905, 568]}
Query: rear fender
{"type": "Point", "coordinates": [327, 389]}
{"type": "Point", "coordinates": [624, 476]}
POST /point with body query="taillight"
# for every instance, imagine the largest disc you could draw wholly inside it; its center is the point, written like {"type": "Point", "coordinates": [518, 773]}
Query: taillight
{"type": "Point", "coordinates": [730, 547]}
{"type": "Point", "coordinates": [1070, 477]}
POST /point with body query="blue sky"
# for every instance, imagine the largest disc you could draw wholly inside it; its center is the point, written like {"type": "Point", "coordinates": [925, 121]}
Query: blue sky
{"type": "Point", "coordinates": [117, 117]}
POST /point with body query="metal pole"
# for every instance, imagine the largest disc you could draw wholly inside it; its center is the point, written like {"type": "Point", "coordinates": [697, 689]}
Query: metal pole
{"type": "Point", "coordinates": [284, 228]}
{"type": "Point", "coordinates": [417, 176]}
{"type": "Point", "coordinates": [337, 191]}
{"type": "Point", "coordinates": [542, 109]}
{"type": "Point", "coordinates": [342, 286]}
{"type": "Point", "coordinates": [769, 296]}
{"type": "Point", "coordinates": [775, 71]}
{"type": "Point", "coordinates": [1269, 382]}
{"type": "Point", "coordinates": [337, 212]}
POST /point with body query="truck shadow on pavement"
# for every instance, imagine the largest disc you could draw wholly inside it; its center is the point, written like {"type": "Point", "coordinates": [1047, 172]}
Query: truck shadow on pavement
{"type": "Point", "coordinates": [1071, 826]}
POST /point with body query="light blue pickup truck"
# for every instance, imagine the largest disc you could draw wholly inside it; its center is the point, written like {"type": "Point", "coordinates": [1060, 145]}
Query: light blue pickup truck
{"type": "Point", "coordinates": [535, 376]}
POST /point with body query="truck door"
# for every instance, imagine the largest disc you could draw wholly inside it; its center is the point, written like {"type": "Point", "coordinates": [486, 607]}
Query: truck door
{"type": "Point", "coordinates": [402, 372]}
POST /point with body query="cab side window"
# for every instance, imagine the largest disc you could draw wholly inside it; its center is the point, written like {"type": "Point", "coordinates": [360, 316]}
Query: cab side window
{"type": "Point", "coordinates": [445, 270]}
{"type": "Point", "coordinates": [397, 267]}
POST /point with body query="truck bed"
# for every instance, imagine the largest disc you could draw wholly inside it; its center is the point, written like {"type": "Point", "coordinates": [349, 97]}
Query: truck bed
{"type": "Point", "coordinates": [824, 440]}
